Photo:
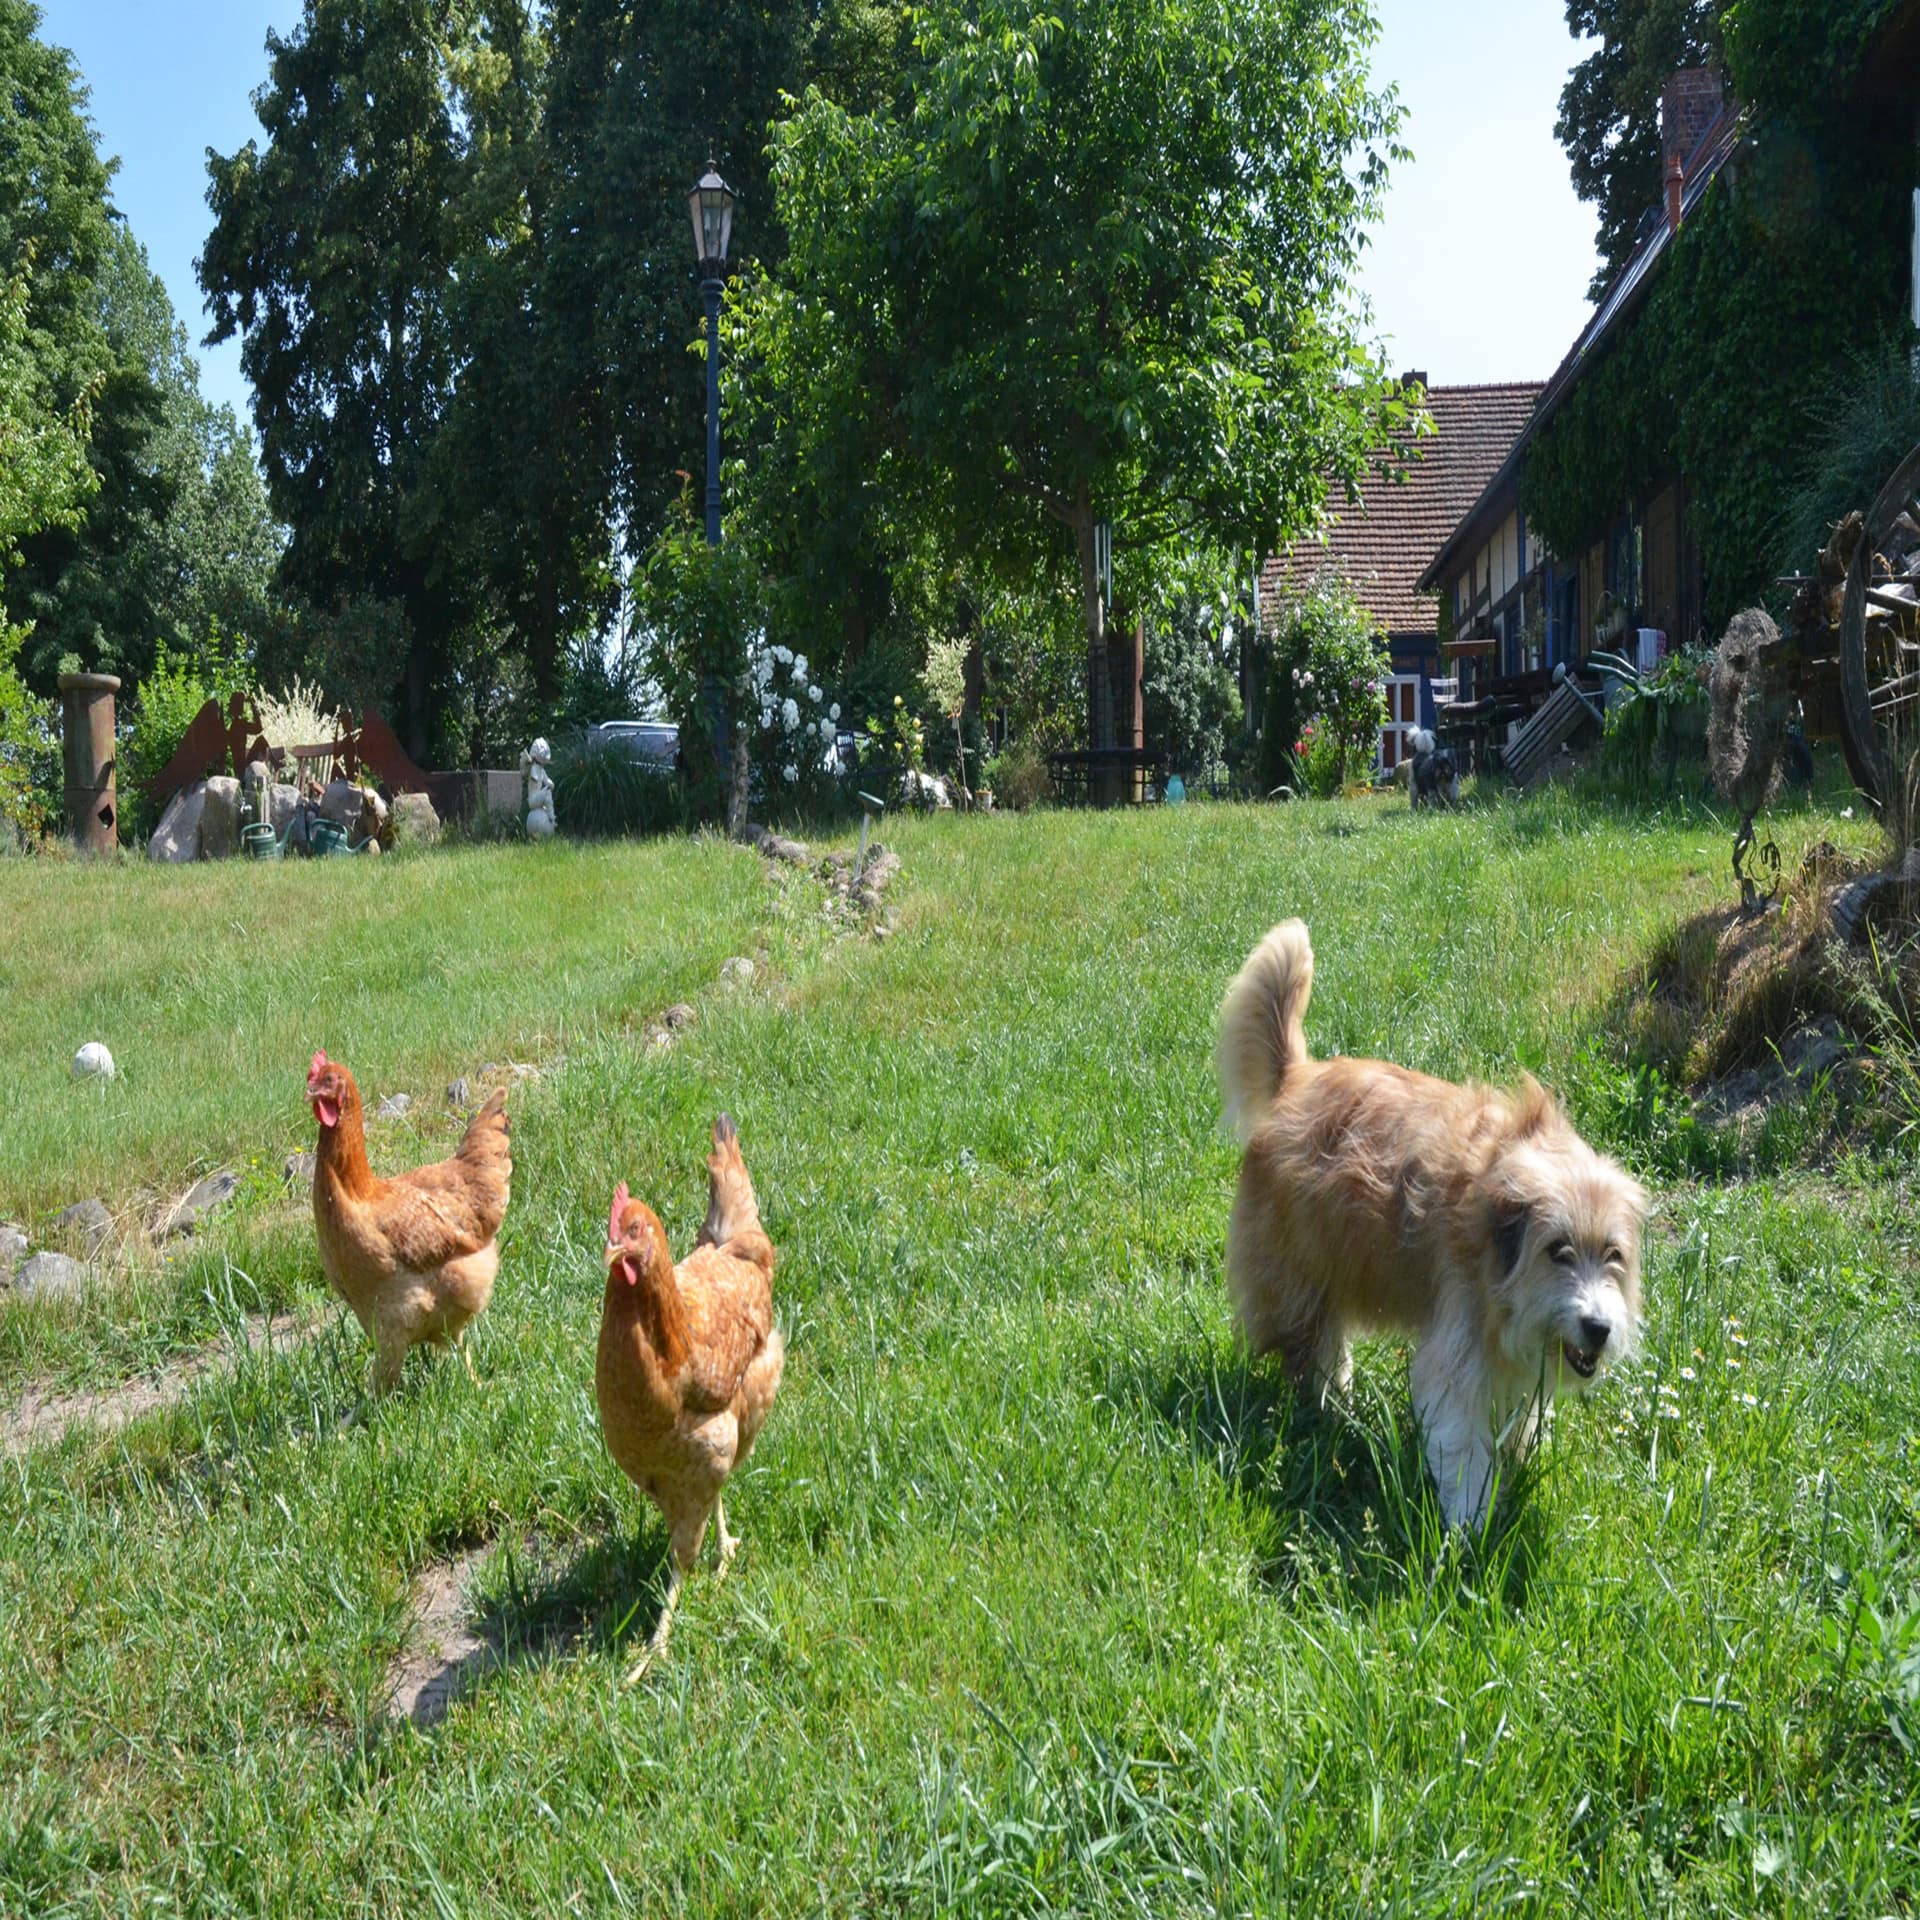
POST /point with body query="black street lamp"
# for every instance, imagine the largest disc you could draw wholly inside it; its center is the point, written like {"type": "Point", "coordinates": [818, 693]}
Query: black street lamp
{"type": "Point", "coordinates": [711, 204]}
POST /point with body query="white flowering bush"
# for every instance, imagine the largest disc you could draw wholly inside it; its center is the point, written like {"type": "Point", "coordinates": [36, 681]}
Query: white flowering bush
{"type": "Point", "coordinates": [794, 746]}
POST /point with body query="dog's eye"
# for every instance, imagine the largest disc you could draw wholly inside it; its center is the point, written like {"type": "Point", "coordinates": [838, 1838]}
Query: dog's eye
{"type": "Point", "coordinates": [1562, 1252]}
{"type": "Point", "coordinates": [1615, 1258]}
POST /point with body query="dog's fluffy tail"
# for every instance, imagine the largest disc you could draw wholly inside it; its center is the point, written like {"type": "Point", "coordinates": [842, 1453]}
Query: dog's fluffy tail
{"type": "Point", "coordinates": [1261, 1035]}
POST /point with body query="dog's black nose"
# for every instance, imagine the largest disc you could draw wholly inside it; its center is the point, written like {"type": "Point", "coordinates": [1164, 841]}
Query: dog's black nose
{"type": "Point", "coordinates": [1595, 1333]}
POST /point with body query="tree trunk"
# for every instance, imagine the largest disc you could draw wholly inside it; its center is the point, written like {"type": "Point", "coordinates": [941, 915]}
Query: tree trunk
{"type": "Point", "coordinates": [419, 690]}
{"type": "Point", "coordinates": [738, 772]}
{"type": "Point", "coordinates": [1093, 611]}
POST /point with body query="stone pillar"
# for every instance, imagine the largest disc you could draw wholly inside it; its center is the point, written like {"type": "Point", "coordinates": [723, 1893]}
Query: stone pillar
{"type": "Point", "coordinates": [93, 806]}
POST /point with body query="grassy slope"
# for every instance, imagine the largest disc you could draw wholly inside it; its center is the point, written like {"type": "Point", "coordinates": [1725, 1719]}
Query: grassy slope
{"type": "Point", "coordinates": [1048, 1601]}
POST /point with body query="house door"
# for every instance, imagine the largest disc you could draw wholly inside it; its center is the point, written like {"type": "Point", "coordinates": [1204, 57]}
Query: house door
{"type": "Point", "coordinates": [1403, 716]}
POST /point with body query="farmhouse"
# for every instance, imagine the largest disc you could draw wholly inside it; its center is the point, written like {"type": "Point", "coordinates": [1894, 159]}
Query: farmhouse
{"type": "Point", "coordinates": [1412, 499]}
{"type": "Point", "coordinates": [1513, 607]}
{"type": "Point", "coordinates": [1641, 502]}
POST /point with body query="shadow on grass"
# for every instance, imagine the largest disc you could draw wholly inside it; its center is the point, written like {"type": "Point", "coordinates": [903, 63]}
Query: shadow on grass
{"type": "Point", "coordinates": [1346, 1484]}
{"type": "Point", "coordinates": [605, 1595]}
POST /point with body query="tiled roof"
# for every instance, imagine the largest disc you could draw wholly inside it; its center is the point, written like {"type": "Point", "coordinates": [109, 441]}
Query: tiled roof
{"type": "Point", "coordinates": [1381, 543]}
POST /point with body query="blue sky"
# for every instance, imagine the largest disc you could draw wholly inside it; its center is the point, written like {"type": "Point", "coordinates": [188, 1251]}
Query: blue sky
{"type": "Point", "coordinates": [1478, 272]}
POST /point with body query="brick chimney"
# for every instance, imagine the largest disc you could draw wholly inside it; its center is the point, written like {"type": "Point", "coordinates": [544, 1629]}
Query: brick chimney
{"type": "Point", "coordinates": [1689, 104]}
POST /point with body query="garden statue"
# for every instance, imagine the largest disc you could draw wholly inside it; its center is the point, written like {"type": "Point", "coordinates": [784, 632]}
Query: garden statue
{"type": "Point", "coordinates": [1749, 711]}
{"type": "Point", "coordinates": [534, 763]}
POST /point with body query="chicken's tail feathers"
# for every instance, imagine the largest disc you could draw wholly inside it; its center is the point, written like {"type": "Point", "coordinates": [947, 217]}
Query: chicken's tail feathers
{"type": "Point", "coordinates": [1262, 1035]}
{"type": "Point", "coordinates": [488, 1135]}
{"type": "Point", "coordinates": [732, 1209]}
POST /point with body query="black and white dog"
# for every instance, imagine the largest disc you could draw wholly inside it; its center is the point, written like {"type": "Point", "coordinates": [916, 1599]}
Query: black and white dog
{"type": "Point", "coordinates": [1435, 778]}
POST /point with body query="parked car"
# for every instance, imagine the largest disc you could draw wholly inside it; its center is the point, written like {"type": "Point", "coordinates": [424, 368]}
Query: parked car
{"type": "Point", "coordinates": [655, 742]}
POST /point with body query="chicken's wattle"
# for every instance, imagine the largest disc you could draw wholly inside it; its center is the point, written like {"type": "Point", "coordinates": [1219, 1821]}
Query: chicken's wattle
{"type": "Point", "coordinates": [327, 1110]}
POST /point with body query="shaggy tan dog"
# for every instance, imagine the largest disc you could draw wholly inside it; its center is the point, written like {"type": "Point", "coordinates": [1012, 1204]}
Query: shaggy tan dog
{"type": "Point", "coordinates": [1373, 1197]}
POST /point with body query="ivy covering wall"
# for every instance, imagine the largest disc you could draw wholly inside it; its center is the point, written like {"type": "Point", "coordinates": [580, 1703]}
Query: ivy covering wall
{"type": "Point", "coordinates": [1797, 258]}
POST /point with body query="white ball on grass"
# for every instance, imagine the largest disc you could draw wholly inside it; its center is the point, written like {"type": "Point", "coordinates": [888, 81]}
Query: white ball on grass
{"type": "Point", "coordinates": [93, 1062]}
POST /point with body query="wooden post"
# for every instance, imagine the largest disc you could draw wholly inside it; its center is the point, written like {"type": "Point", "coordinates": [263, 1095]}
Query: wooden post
{"type": "Point", "coordinates": [89, 750]}
{"type": "Point", "coordinates": [1136, 721]}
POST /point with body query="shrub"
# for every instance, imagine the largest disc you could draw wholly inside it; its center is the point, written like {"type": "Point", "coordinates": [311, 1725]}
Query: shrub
{"type": "Point", "coordinates": [179, 685]}
{"type": "Point", "coordinates": [1661, 716]}
{"type": "Point", "coordinates": [298, 716]}
{"type": "Point", "coordinates": [794, 728]}
{"type": "Point", "coordinates": [1018, 776]}
{"type": "Point", "coordinates": [600, 792]}
{"type": "Point", "coordinates": [29, 748]}
{"type": "Point", "coordinates": [702, 606]}
{"type": "Point", "coordinates": [1318, 763]}
{"type": "Point", "coordinates": [1192, 706]}
{"type": "Point", "coordinates": [1327, 663]}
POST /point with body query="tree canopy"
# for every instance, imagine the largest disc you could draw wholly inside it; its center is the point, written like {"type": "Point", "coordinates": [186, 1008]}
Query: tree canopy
{"type": "Point", "coordinates": [1610, 107]}
{"type": "Point", "coordinates": [171, 527]}
{"type": "Point", "coordinates": [1090, 262]}
{"type": "Point", "coordinates": [458, 262]}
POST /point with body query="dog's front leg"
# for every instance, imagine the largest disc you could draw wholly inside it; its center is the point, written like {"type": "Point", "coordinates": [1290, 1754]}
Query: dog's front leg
{"type": "Point", "coordinates": [1450, 1400]}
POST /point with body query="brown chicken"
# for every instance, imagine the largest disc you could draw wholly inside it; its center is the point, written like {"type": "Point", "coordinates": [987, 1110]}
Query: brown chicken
{"type": "Point", "coordinates": [689, 1359]}
{"type": "Point", "coordinates": [414, 1256]}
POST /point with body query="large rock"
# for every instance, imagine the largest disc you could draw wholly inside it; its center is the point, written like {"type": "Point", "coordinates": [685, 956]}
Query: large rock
{"type": "Point", "coordinates": [220, 819]}
{"type": "Point", "coordinates": [50, 1276]}
{"type": "Point", "coordinates": [87, 1221]}
{"type": "Point", "coordinates": [341, 803]}
{"type": "Point", "coordinates": [177, 837]}
{"type": "Point", "coordinates": [414, 819]}
{"type": "Point", "coordinates": [283, 801]}
{"type": "Point", "coordinates": [206, 1198]}
{"type": "Point", "coordinates": [13, 1249]}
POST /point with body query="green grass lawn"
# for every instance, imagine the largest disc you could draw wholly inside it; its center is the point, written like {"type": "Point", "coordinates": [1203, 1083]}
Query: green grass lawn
{"type": "Point", "coordinates": [1049, 1601]}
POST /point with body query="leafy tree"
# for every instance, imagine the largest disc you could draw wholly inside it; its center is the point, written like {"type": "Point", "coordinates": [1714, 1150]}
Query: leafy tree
{"type": "Point", "coordinates": [53, 200]}
{"type": "Point", "coordinates": [1090, 264]}
{"type": "Point", "coordinates": [178, 533]}
{"type": "Point", "coordinates": [460, 265]}
{"type": "Point", "coordinates": [1610, 107]}
{"type": "Point", "coordinates": [44, 478]}
{"type": "Point", "coordinates": [332, 255]}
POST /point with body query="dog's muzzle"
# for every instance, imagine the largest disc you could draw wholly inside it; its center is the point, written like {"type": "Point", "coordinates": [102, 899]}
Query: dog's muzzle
{"type": "Point", "coordinates": [1582, 1354]}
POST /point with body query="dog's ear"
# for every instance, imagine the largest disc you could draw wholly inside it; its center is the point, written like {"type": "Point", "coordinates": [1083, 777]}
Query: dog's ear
{"type": "Point", "coordinates": [1511, 1220]}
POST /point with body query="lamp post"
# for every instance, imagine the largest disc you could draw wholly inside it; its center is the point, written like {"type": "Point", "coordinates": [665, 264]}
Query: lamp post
{"type": "Point", "coordinates": [711, 204]}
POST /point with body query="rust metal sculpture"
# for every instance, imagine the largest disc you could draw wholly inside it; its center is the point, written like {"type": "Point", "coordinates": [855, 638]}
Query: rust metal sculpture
{"type": "Point", "coordinates": [217, 740]}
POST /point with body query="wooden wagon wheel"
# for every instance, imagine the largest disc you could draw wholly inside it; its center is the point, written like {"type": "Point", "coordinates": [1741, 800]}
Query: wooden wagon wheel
{"type": "Point", "coordinates": [1880, 644]}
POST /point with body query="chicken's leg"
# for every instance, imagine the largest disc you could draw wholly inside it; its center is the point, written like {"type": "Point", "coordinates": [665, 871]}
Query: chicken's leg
{"type": "Point", "coordinates": [662, 1631]}
{"type": "Point", "coordinates": [389, 1356]}
{"type": "Point", "coordinates": [727, 1543]}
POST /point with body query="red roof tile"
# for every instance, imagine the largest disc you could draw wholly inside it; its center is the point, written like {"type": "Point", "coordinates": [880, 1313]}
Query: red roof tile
{"type": "Point", "coordinates": [1382, 543]}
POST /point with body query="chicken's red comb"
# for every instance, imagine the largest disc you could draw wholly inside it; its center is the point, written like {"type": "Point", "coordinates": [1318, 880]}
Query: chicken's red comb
{"type": "Point", "coordinates": [320, 1065]}
{"type": "Point", "coordinates": [620, 1198]}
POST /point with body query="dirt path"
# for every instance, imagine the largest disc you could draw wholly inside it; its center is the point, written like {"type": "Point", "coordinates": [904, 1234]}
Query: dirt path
{"type": "Point", "coordinates": [444, 1657]}
{"type": "Point", "coordinates": [39, 1418]}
